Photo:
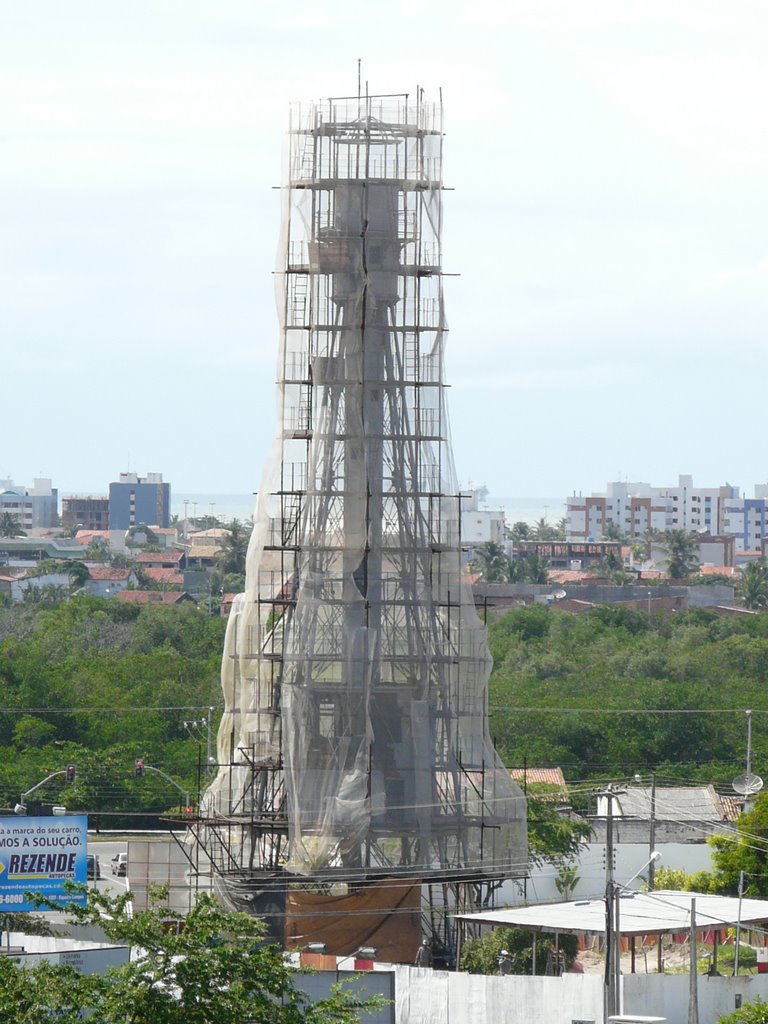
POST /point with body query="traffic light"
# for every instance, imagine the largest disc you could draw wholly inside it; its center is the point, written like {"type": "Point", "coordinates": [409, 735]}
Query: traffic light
{"type": "Point", "coordinates": [139, 770]}
{"type": "Point", "coordinates": [71, 773]}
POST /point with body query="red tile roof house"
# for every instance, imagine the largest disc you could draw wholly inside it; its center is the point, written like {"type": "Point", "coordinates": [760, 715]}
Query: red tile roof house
{"type": "Point", "coordinates": [173, 559]}
{"type": "Point", "coordinates": [108, 581]}
{"type": "Point", "coordinates": [165, 577]}
{"type": "Point", "coordinates": [154, 596]}
{"type": "Point", "coordinates": [549, 781]}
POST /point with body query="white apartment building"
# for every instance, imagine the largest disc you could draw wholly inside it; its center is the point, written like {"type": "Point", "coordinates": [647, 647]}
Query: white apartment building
{"type": "Point", "coordinates": [479, 525]}
{"type": "Point", "coordinates": [636, 507]}
{"type": "Point", "coordinates": [32, 507]}
{"type": "Point", "coordinates": [746, 519]}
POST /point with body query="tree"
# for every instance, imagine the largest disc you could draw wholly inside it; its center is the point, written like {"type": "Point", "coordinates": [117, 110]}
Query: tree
{"type": "Point", "coordinates": [492, 561]}
{"type": "Point", "coordinates": [752, 1013]}
{"type": "Point", "coordinates": [10, 525]}
{"type": "Point", "coordinates": [212, 967]}
{"type": "Point", "coordinates": [481, 956]}
{"type": "Point", "coordinates": [543, 531]}
{"type": "Point", "coordinates": [566, 880]}
{"type": "Point", "coordinates": [530, 569]}
{"type": "Point", "coordinates": [520, 531]}
{"type": "Point", "coordinates": [682, 553]}
{"type": "Point", "coordinates": [747, 852]}
{"type": "Point", "coordinates": [235, 549]}
{"type": "Point", "coordinates": [753, 585]}
{"type": "Point", "coordinates": [612, 531]}
{"type": "Point", "coordinates": [552, 836]}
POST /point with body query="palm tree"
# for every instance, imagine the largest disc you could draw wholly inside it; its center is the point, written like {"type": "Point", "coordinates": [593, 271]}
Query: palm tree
{"type": "Point", "coordinates": [10, 525]}
{"type": "Point", "coordinates": [612, 531]}
{"type": "Point", "coordinates": [531, 569]}
{"type": "Point", "coordinates": [520, 531]}
{"type": "Point", "coordinates": [232, 556]}
{"type": "Point", "coordinates": [682, 553]}
{"type": "Point", "coordinates": [753, 585]}
{"type": "Point", "coordinates": [491, 560]}
{"type": "Point", "coordinates": [543, 531]}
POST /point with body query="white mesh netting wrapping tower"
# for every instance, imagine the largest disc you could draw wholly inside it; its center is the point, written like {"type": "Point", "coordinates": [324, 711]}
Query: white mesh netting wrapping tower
{"type": "Point", "coordinates": [355, 739]}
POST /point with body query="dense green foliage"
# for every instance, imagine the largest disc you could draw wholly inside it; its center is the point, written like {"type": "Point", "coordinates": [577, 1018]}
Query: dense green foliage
{"type": "Point", "coordinates": [98, 684]}
{"type": "Point", "coordinates": [752, 1013]}
{"type": "Point", "coordinates": [748, 854]}
{"type": "Point", "coordinates": [753, 586]}
{"type": "Point", "coordinates": [216, 969]}
{"type": "Point", "coordinates": [611, 692]}
{"type": "Point", "coordinates": [481, 956]}
{"type": "Point", "coordinates": [497, 567]}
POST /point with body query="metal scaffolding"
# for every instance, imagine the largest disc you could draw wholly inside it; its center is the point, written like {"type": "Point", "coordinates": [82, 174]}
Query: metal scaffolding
{"type": "Point", "coordinates": [354, 744]}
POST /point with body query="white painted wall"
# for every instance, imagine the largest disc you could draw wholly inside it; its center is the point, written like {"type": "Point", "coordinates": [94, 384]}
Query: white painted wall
{"type": "Point", "coordinates": [628, 858]}
{"type": "Point", "coordinates": [440, 997]}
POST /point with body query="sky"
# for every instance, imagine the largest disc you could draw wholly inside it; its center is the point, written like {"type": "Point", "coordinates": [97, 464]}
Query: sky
{"type": "Point", "coordinates": [607, 219]}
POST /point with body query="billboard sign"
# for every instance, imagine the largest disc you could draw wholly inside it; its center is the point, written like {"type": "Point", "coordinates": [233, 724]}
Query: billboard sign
{"type": "Point", "coordinates": [39, 855]}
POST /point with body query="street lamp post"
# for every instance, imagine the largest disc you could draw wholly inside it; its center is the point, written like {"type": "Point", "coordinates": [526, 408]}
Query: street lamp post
{"type": "Point", "coordinates": [70, 771]}
{"type": "Point", "coordinates": [613, 894]}
{"type": "Point", "coordinates": [142, 766]}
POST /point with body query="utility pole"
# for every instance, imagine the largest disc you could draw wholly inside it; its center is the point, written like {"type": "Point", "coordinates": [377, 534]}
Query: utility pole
{"type": "Point", "coordinates": [738, 925]}
{"type": "Point", "coordinates": [209, 757]}
{"type": "Point", "coordinates": [652, 835]}
{"type": "Point", "coordinates": [612, 989]}
{"type": "Point", "coordinates": [693, 995]}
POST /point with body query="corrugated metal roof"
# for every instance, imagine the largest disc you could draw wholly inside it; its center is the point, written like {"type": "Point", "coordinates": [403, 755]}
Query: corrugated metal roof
{"type": "Point", "coordinates": [673, 803]}
{"type": "Point", "coordinates": [663, 912]}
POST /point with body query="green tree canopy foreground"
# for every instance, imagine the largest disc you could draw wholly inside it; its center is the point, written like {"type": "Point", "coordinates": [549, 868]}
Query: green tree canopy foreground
{"type": "Point", "coordinates": [752, 1013]}
{"type": "Point", "coordinates": [212, 967]}
{"type": "Point", "coordinates": [614, 691]}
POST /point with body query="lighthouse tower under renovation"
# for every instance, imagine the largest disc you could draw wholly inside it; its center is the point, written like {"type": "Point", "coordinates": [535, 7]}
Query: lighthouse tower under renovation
{"type": "Point", "coordinates": [356, 771]}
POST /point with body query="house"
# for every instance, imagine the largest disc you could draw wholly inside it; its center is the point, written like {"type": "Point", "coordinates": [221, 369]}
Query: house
{"type": "Point", "coordinates": [165, 537]}
{"type": "Point", "coordinates": [112, 539]}
{"type": "Point", "coordinates": [173, 559]}
{"type": "Point", "coordinates": [672, 803]}
{"type": "Point", "coordinates": [552, 778]}
{"type": "Point", "coordinates": [154, 597]}
{"type": "Point", "coordinates": [165, 577]}
{"type": "Point", "coordinates": [16, 581]}
{"type": "Point", "coordinates": [108, 581]}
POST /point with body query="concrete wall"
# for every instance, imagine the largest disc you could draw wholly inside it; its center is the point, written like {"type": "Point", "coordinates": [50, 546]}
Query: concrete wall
{"type": "Point", "coordinates": [628, 859]}
{"type": "Point", "coordinates": [439, 997]}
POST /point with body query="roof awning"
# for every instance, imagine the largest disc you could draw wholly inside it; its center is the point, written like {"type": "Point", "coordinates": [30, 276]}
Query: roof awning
{"type": "Point", "coordinates": [658, 913]}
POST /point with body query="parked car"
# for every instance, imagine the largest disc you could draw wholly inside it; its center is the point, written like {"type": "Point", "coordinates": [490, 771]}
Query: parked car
{"type": "Point", "coordinates": [120, 864]}
{"type": "Point", "coordinates": [92, 866]}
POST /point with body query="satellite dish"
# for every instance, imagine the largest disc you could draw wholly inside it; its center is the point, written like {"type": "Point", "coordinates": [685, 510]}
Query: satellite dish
{"type": "Point", "coordinates": [747, 785]}
{"type": "Point", "coordinates": [559, 595]}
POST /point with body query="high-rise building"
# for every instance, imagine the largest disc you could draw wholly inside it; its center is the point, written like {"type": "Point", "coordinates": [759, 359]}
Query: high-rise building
{"type": "Point", "coordinates": [354, 751]}
{"type": "Point", "coordinates": [635, 509]}
{"type": "Point", "coordinates": [88, 512]}
{"type": "Point", "coordinates": [135, 500]}
{"type": "Point", "coordinates": [34, 507]}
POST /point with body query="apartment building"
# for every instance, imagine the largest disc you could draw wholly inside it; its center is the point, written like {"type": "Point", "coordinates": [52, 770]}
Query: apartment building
{"type": "Point", "coordinates": [85, 511]}
{"type": "Point", "coordinates": [34, 507]}
{"type": "Point", "coordinates": [746, 520]}
{"type": "Point", "coordinates": [634, 508]}
{"type": "Point", "coordinates": [136, 499]}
